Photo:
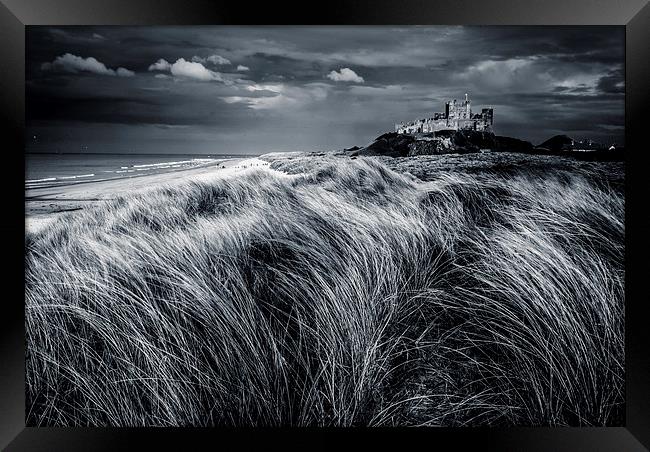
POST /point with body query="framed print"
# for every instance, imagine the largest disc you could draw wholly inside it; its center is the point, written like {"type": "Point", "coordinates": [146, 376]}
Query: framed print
{"type": "Point", "coordinates": [258, 224]}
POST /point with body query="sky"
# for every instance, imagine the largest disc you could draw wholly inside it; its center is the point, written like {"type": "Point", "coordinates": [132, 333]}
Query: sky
{"type": "Point", "coordinates": [254, 89]}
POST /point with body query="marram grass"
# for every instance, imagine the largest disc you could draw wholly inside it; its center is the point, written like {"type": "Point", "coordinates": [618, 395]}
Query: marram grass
{"type": "Point", "coordinates": [346, 294]}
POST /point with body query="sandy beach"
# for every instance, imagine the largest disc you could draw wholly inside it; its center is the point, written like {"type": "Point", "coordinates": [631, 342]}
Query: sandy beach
{"type": "Point", "coordinates": [42, 205]}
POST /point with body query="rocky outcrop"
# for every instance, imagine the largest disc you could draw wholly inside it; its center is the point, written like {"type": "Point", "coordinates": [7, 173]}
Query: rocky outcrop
{"type": "Point", "coordinates": [441, 142]}
{"type": "Point", "coordinates": [444, 145]}
{"type": "Point", "coordinates": [390, 144]}
{"type": "Point", "coordinates": [557, 143]}
{"type": "Point", "coordinates": [470, 141]}
{"type": "Point", "coordinates": [509, 144]}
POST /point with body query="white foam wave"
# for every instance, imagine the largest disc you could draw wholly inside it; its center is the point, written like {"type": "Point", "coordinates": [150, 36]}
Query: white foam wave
{"type": "Point", "coordinates": [34, 181]}
{"type": "Point", "coordinates": [77, 177]}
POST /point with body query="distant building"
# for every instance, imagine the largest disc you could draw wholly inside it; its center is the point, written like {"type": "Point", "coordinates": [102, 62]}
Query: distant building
{"type": "Point", "coordinates": [587, 145]}
{"type": "Point", "coordinates": [457, 116]}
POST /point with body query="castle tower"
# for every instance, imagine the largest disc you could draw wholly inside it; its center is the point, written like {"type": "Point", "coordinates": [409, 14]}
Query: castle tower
{"type": "Point", "coordinates": [455, 117]}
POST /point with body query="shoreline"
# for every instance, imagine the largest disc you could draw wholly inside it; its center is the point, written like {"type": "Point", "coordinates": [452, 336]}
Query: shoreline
{"type": "Point", "coordinates": [44, 204]}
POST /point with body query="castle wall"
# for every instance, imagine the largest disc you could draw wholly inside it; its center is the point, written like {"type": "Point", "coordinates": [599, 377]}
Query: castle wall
{"type": "Point", "coordinates": [434, 125]}
{"type": "Point", "coordinates": [456, 116]}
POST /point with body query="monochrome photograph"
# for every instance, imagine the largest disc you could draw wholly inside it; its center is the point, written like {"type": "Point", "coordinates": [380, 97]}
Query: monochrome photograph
{"type": "Point", "coordinates": [324, 226]}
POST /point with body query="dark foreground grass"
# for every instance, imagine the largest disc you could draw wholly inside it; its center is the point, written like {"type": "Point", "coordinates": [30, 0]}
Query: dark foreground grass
{"type": "Point", "coordinates": [345, 294]}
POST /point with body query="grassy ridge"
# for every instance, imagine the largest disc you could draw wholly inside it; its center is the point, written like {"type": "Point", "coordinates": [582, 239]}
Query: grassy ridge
{"type": "Point", "coordinates": [344, 294]}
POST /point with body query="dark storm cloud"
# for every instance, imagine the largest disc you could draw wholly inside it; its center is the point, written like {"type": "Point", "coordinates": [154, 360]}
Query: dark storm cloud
{"type": "Point", "coordinates": [315, 87]}
{"type": "Point", "coordinates": [612, 82]}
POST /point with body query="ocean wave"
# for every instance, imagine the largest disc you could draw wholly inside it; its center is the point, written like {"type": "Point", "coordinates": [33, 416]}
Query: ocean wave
{"type": "Point", "coordinates": [47, 179]}
{"type": "Point", "coordinates": [162, 164]}
{"type": "Point", "coordinates": [123, 171]}
{"type": "Point", "coordinates": [76, 177]}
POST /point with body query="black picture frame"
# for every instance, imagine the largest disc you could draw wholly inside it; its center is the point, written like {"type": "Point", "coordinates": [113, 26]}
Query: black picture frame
{"type": "Point", "coordinates": [15, 15]}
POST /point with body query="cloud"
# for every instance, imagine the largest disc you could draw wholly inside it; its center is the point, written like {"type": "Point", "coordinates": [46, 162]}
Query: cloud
{"type": "Point", "coordinates": [242, 68]}
{"type": "Point", "coordinates": [345, 75]}
{"type": "Point", "coordinates": [160, 65]}
{"type": "Point", "coordinates": [613, 82]}
{"type": "Point", "coordinates": [83, 37]}
{"type": "Point", "coordinates": [214, 59]}
{"type": "Point", "coordinates": [194, 71]}
{"type": "Point", "coordinates": [184, 69]}
{"type": "Point", "coordinates": [523, 75]}
{"type": "Point", "coordinates": [504, 74]}
{"type": "Point", "coordinates": [280, 96]}
{"type": "Point", "coordinates": [582, 84]}
{"type": "Point", "coordinates": [235, 99]}
{"type": "Point", "coordinates": [256, 87]}
{"type": "Point", "coordinates": [123, 72]}
{"type": "Point", "coordinates": [384, 90]}
{"type": "Point", "coordinates": [541, 81]}
{"type": "Point", "coordinates": [540, 74]}
{"type": "Point", "coordinates": [75, 64]}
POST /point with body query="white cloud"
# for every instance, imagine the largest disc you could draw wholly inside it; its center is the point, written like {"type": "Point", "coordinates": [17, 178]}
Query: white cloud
{"type": "Point", "coordinates": [243, 68]}
{"type": "Point", "coordinates": [75, 64]}
{"type": "Point", "coordinates": [214, 59]}
{"type": "Point", "coordinates": [162, 76]}
{"type": "Point", "coordinates": [217, 59]}
{"type": "Point", "coordinates": [256, 87]}
{"type": "Point", "coordinates": [345, 75]}
{"type": "Point", "coordinates": [234, 99]}
{"type": "Point", "coordinates": [580, 84]}
{"type": "Point", "coordinates": [513, 74]}
{"type": "Point", "coordinates": [184, 69]}
{"type": "Point", "coordinates": [532, 74]}
{"type": "Point", "coordinates": [194, 71]}
{"type": "Point", "coordinates": [280, 96]}
{"type": "Point", "coordinates": [160, 65]}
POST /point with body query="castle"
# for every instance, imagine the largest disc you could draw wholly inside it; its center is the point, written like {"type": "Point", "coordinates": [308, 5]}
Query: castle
{"type": "Point", "coordinates": [456, 116]}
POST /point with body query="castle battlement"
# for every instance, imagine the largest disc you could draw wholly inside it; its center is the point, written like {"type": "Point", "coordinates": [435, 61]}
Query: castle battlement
{"type": "Point", "coordinates": [456, 116]}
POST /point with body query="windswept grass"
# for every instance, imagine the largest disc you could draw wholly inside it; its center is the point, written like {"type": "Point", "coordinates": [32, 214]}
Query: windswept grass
{"type": "Point", "coordinates": [343, 294]}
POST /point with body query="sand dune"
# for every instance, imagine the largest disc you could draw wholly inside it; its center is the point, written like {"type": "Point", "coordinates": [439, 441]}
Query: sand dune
{"type": "Point", "coordinates": [330, 291]}
{"type": "Point", "coordinates": [42, 205]}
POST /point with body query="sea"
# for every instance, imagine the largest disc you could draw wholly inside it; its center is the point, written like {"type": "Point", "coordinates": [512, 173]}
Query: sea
{"type": "Point", "coordinates": [46, 170]}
